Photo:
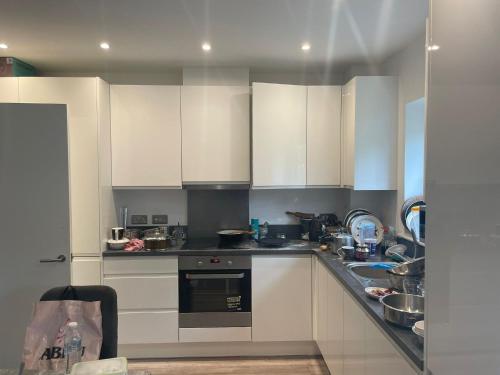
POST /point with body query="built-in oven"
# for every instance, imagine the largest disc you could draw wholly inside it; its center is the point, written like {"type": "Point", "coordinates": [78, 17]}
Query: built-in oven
{"type": "Point", "coordinates": [215, 291]}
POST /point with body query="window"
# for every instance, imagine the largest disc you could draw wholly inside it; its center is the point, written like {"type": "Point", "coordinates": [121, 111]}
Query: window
{"type": "Point", "coordinates": [414, 153]}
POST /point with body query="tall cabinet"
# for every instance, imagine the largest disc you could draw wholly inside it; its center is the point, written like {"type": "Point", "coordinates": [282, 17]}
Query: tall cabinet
{"type": "Point", "coordinates": [91, 201]}
{"type": "Point", "coordinates": [369, 133]}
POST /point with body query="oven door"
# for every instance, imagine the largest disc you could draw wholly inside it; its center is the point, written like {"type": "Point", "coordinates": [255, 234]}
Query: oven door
{"type": "Point", "coordinates": [215, 298]}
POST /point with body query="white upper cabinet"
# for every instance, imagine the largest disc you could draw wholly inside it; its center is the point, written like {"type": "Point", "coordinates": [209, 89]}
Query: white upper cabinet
{"type": "Point", "coordinates": [369, 133]}
{"type": "Point", "coordinates": [282, 298]}
{"type": "Point", "coordinates": [9, 90]}
{"type": "Point", "coordinates": [146, 136]}
{"type": "Point", "coordinates": [323, 135]}
{"type": "Point", "coordinates": [279, 135]}
{"type": "Point", "coordinates": [81, 96]}
{"type": "Point", "coordinates": [215, 134]}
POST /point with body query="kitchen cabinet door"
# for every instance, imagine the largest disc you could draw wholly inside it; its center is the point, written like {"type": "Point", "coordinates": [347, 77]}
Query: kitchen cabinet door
{"type": "Point", "coordinates": [146, 136]}
{"type": "Point", "coordinates": [348, 132]}
{"type": "Point", "coordinates": [354, 337]}
{"type": "Point", "coordinates": [279, 135]}
{"type": "Point", "coordinates": [335, 325]}
{"type": "Point", "coordinates": [382, 358]}
{"type": "Point", "coordinates": [9, 90]}
{"type": "Point", "coordinates": [148, 327]}
{"type": "Point", "coordinates": [322, 311]}
{"type": "Point", "coordinates": [281, 298]}
{"type": "Point", "coordinates": [369, 133]}
{"type": "Point", "coordinates": [86, 271]}
{"type": "Point", "coordinates": [80, 97]}
{"type": "Point", "coordinates": [215, 134]}
{"type": "Point", "coordinates": [323, 135]}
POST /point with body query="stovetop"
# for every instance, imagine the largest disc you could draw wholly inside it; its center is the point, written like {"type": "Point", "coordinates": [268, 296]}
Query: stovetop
{"type": "Point", "coordinates": [214, 244]}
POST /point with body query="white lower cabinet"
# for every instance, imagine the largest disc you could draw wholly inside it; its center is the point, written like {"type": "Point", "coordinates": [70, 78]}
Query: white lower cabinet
{"type": "Point", "coordinates": [335, 325]}
{"type": "Point", "coordinates": [147, 291]}
{"type": "Point", "coordinates": [350, 342]}
{"type": "Point", "coordinates": [381, 357]}
{"type": "Point", "coordinates": [148, 327]}
{"type": "Point", "coordinates": [281, 298]}
{"type": "Point", "coordinates": [354, 338]}
{"type": "Point", "coordinates": [86, 271]}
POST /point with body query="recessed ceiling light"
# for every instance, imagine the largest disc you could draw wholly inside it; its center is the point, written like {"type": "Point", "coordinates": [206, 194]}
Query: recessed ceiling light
{"type": "Point", "coordinates": [305, 46]}
{"type": "Point", "coordinates": [433, 47]}
{"type": "Point", "coordinates": [3, 46]}
{"type": "Point", "coordinates": [206, 47]}
{"type": "Point", "coordinates": [104, 45]}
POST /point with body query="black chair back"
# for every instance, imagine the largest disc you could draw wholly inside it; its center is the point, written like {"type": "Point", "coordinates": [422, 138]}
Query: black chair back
{"type": "Point", "coordinates": [109, 310]}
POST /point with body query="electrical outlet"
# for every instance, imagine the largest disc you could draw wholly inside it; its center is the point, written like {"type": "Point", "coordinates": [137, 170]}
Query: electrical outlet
{"type": "Point", "coordinates": [160, 219]}
{"type": "Point", "coordinates": [139, 219]}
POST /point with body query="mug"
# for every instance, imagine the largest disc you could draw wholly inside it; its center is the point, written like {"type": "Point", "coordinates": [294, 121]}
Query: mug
{"type": "Point", "coordinates": [346, 252]}
{"type": "Point", "coordinates": [117, 233]}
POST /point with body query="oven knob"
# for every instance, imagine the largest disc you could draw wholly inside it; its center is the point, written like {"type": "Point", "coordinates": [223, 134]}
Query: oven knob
{"type": "Point", "coordinates": [200, 263]}
{"type": "Point", "coordinates": [229, 262]}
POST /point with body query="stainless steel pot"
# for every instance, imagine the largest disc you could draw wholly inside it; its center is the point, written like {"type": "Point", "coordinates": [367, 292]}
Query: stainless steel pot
{"type": "Point", "coordinates": [398, 281]}
{"type": "Point", "coordinates": [403, 309]}
{"type": "Point", "coordinates": [412, 267]}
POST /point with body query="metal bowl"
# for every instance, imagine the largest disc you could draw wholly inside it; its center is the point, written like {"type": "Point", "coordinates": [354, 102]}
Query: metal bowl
{"type": "Point", "coordinates": [403, 309]}
{"type": "Point", "coordinates": [414, 267]}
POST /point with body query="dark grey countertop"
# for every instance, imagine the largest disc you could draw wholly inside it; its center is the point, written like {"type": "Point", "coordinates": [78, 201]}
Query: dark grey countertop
{"type": "Point", "coordinates": [209, 247]}
{"type": "Point", "coordinates": [405, 339]}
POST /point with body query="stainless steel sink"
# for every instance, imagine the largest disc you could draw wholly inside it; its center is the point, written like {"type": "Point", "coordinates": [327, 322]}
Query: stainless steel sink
{"type": "Point", "coordinates": [368, 274]}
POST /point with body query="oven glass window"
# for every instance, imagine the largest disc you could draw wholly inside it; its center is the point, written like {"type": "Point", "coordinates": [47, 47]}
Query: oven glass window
{"type": "Point", "coordinates": [220, 291]}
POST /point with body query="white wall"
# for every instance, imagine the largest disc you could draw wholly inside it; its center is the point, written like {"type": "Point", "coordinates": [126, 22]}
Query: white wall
{"type": "Point", "coordinates": [210, 76]}
{"type": "Point", "coordinates": [409, 65]}
{"type": "Point", "coordinates": [297, 77]}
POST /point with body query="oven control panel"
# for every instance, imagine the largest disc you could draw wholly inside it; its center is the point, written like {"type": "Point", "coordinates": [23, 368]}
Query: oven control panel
{"type": "Point", "coordinates": [190, 262]}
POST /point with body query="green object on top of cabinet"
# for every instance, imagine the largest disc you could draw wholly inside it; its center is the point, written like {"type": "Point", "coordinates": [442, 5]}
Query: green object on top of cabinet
{"type": "Point", "coordinates": [12, 67]}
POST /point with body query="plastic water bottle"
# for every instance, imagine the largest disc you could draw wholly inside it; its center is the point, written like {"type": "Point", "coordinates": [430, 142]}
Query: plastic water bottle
{"type": "Point", "coordinates": [72, 345]}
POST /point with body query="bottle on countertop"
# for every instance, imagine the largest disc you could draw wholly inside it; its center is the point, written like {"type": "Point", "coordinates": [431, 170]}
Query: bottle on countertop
{"type": "Point", "coordinates": [72, 345]}
{"type": "Point", "coordinates": [254, 224]}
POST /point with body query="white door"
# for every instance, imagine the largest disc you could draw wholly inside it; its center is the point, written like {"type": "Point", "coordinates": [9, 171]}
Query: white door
{"type": "Point", "coordinates": [323, 135]}
{"type": "Point", "coordinates": [348, 132]}
{"type": "Point", "coordinates": [322, 312]}
{"type": "Point", "coordinates": [80, 97]}
{"type": "Point", "coordinates": [281, 298]}
{"type": "Point", "coordinates": [335, 325]}
{"type": "Point", "coordinates": [279, 135]}
{"type": "Point", "coordinates": [34, 197]}
{"type": "Point", "coordinates": [215, 134]}
{"type": "Point", "coordinates": [146, 135]}
{"type": "Point", "coordinates": [354, 337]}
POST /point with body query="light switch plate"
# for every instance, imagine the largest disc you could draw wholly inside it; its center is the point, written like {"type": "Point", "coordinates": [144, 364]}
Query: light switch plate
{"type": "Point", "coordinates": [160, 219]}
{"type": "Point", "coordinates": [139, 219]}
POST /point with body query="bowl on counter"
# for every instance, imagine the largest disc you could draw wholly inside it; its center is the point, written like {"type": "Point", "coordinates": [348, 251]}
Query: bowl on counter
{"type": "Point", "coordinates": [117, 244]}
{"type": "Point", "coordinates": [403, 309]}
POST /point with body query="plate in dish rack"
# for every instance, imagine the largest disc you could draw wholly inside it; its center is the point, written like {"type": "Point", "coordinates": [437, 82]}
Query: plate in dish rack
{"type": "Point", "coordinates": [358, 222]}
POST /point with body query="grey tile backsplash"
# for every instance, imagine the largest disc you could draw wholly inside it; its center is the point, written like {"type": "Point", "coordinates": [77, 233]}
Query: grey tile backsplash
{"type": "Point", "coordinates": [238, 206]}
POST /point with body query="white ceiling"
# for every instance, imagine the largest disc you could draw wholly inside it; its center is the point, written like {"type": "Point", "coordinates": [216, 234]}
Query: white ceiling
{"type": "Point", "coordinates": [155, 35]}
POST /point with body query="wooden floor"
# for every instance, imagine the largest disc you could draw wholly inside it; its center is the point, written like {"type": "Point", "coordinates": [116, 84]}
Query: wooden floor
{"type": "Point", "coordinates": [240, 366]}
